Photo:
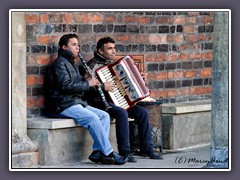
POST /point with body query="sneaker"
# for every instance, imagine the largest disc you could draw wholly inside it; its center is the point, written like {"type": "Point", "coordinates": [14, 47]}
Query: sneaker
{"type": "Point", "coordinates": [129, 156]}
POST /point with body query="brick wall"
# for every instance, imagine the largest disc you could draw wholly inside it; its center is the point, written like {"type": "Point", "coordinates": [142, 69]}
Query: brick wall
{"type": "Point", "coordinates": [177, 48]}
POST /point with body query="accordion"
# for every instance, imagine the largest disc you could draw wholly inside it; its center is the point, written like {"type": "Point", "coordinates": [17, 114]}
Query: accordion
{"type": "Point", "coordinates": [131, 87]}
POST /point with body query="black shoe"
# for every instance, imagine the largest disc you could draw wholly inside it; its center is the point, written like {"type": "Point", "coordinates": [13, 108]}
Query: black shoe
{"type": "Point", "coordinates": [129, 156]}
{"type": "Point", "coordinates": [154, 155]}
{"type": "Point", "coordinates": [95, 156]}
{"type": "Point", "coordinates": [119, 160]}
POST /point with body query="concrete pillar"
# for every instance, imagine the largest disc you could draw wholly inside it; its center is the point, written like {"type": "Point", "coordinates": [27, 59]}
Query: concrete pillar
{"type": "Point", "coordinates": [24, 153]}
{"type": "Point", "coordinates": [220, 132]}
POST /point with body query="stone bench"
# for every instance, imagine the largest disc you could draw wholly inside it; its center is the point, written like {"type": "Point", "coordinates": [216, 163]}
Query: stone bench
{"type": "Point", "coordinates": [186, 124]}
{"type": "Point", "coordinates": [62, 141]}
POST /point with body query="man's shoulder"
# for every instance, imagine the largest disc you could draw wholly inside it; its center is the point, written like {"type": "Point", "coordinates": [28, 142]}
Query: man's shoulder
{"type": "Point", "coordinates": [91, 63]}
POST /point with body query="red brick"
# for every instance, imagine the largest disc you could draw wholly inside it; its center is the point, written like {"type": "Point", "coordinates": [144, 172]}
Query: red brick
{"type": "Point", "coordinates": [95, 18]}
{"type": "Point", "coordinates": [150, 76]}
{"type": "Point", "coordinates": [191, 20]}
{"type": "Point", "coordinates": [192, 38]}
{"type": "Point", "coordinates": [170, 38]}
{"type": "Point", "coordinates": [202, 37]}
{"type": "Point", "coordinates": [40, 101]}
{"type": "Point", "coordinates": [150, 57]}
{"type": "Point", "coordinates": [207, 55]}
{"type": "Point", "coordinates": [175, 74]}
{"type": "Point", "coordinates": [81, 18]}
{"type": "Point", "coordinates": [198, 90]}
{"type": "Point", "coordinates": [86, 39]}
{"type": "Point", "coordinates": [170, 75]}
{"type": "Point", "coordinates": [56, 18]}
{"type": "Point", "coordinates": [144, 20]}
{"type": "Point", "coordinates": [208, 20]}
{"type": "Point", "coordinates": [152, 94]}
{"type": "Point", "coordinates": [190, 74]}
{"type": "Point", "coordinates": [160, 93]}
{"type": "Point", "coordinates": [142, 39]}
{"type": "Point", "coordinates": [122, 38]}
{"type": "Point", "coordinates": [172, 93]}
{"type": "Point", "coordinates": [209, 89]}
{"type": "Point", "coordinates": [188, 29]}
{"type": "Point", "coordinates": [68, 18]}
{"type": "Point", "coordinates": [172, 57]}
{"type": "Point", "coordinates": [162, 20]}
{"type": "Point", "coordinates": [180, 20]}
{"type": "Point", "coordinates": [179, 38]}
{"type": "Point", "coordinates": [44, 18]}
{"type": "Point", "coordinates": [32, 18]}
{"type": "Point", "coordinates": [109, 18]}
{"type": "Point", "coordinates": [40, 80]}
{"type": "Point", "coordinates": [170, 20]}
{"type": "Point", "coordinates": [46, 39]}
{"type": "Point", "coordinates": [194, 56]}
{"type": "Point", "coordinates": [184, 91]}
{"type": "Point", "coordinates": [45, 59]}
{"type": "Point", "coordinates": [161, 75]}
{"type": "Point", "coordinates": [161, 57]}
{"type": "Point", "coordinates": [31, 80]}
{"type": "Point", "coordinates": [206, 72]}
{"type": "Point", "coordinates": [183, 56]}
{"type": "Point", "coordinates": [129, 19]}
{"type": "Point", "coordinates": [39, 59]}
{"type": "Point", "coordinates": [132, 38]}
{"type": "Point", "coordinates": [157, 39]}
{"type": "Point", "coordinates": [31, 102]}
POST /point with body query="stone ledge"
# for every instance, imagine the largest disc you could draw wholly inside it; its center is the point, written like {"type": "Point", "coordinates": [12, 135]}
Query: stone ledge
{"type": "Point", "coordinates": [50, 123]}
{"type": "Point", "coordinates": [188, 107]}
{"type": "Point", "coordinates": [54, 123]}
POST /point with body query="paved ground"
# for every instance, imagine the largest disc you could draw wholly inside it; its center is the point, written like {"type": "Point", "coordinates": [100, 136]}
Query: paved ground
{"type": "Point", "coordinates": [194, 158]}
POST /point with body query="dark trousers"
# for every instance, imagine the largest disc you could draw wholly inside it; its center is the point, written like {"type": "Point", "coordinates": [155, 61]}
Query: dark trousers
{"type": "Point", "coordinates": [140, 116]}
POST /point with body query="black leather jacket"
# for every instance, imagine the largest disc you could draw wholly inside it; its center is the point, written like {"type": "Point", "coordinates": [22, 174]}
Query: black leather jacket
{"type": "Point", "coordinates": [65, 85]}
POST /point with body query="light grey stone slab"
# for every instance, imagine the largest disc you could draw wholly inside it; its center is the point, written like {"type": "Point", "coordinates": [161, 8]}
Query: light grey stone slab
{"type": "Point", "coordinates": [188, 107]}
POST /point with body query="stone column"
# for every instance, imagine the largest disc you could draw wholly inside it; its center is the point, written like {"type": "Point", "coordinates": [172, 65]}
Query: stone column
{"type": "Point", "coordinates": [23, 149]}
{"type": "Point", "coordinates": [220, 132]}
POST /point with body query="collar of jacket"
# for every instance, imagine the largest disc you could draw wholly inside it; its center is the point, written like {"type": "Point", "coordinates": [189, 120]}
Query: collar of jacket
{"type": "Point", "coordinates": [100, 58]}
{"type": "Point", "coordinates": [66, 54]}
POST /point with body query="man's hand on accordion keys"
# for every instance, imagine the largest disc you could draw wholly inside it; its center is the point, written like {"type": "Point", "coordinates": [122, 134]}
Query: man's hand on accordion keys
{"type": "Point", "coordinates": [109, 86]}
{"type": "Point", "coordinates": [93, 82]}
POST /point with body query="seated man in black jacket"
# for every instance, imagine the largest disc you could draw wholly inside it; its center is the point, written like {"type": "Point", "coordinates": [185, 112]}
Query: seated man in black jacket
{"type": "Point", "coordinates": [66, 88]}
{"type": "Point", "coordinates": [104, 55]}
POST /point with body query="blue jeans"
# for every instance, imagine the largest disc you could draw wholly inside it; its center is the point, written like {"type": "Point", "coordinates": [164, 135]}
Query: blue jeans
{"type": "Point", "coordinates": [140, 116]}
{"type": "Point", "coordinates": [96, 121]}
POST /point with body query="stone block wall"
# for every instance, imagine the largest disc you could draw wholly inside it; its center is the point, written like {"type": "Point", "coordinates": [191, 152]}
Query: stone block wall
{"type": "Point", "coordinates": [177, 47]}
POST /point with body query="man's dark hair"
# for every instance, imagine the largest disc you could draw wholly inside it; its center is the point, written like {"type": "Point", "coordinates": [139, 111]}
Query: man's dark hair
{"type": "Point", "coordinates": [102, 41]}
{"type": "Point", "coordinates": [65, 39]}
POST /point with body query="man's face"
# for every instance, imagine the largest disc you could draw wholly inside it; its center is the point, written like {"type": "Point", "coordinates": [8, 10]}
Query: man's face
{"type": "Point", "coordinates": [72, 46]}
{"type": "Point", "coordinates": [108, 51]}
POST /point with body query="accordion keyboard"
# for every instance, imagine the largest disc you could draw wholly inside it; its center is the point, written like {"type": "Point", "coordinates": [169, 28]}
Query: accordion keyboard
{"type": "Point", "coordinates": [131, 88]}
{"type": "Point", "coordinates": [117, 95]}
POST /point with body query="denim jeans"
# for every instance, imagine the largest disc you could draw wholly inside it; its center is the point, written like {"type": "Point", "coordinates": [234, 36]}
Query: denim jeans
{"type": "Point", "coordinates": [96, 121]}
{"type": "Point", "coordinates": [140, 116]}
